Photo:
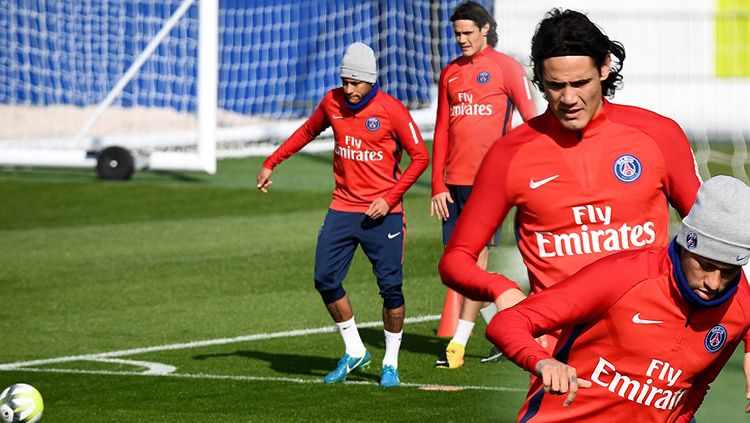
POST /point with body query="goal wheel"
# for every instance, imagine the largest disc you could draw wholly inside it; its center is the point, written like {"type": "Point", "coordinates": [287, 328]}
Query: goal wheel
{"type": "Point", "coordinates": [114, 163]}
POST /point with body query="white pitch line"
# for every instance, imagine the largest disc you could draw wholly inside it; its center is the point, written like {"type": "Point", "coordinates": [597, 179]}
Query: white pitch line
{"type": "Point", "coordinates": [152, 368]}
{"type": "Point", "coordinates": [198, 344]}
{"type": "Point", "coordinates": [271, 379]}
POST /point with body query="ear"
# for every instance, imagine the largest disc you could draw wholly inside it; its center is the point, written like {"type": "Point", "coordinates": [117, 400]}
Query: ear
{"type": "Point", "coordinates": [605, 69]}
{"type": "Point", "coordinates": [485, 29]}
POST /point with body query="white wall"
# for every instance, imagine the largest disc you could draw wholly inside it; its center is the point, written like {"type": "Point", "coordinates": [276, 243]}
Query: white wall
{"type": "Point", "coordinates": [670, 63]}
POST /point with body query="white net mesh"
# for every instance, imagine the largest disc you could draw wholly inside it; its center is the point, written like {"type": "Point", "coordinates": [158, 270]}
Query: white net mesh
{"type": "Point", "coordinates": [58, 60]}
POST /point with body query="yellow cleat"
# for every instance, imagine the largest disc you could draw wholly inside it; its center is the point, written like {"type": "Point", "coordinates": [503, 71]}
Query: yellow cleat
{"type": "Point", "coordinates": [453, 358]}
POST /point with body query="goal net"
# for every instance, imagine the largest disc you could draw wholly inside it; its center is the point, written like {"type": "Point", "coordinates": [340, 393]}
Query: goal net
{"type": "Point", "coordinates": [82, 76]}
{"type": "Point", "coordinates": [168, 80]}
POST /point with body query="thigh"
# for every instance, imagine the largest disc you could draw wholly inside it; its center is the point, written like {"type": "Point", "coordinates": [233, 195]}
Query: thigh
{"type": "Point", "coordinates": [460, 195]}
{"type": "Point", "coordinates": [383, 242]}
{"type": "Point", "coordinates": [335, 248]}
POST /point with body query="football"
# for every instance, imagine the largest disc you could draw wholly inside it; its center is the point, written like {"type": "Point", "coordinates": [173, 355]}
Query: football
{"type": "Point", "coordinates": [21, 403]}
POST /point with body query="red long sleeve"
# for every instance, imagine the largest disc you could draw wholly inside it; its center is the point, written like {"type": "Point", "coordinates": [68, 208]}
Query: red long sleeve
{"type": "Point", "coordinates": [476, 99]}
{"type": "Point", "coordinates": [367, 149]}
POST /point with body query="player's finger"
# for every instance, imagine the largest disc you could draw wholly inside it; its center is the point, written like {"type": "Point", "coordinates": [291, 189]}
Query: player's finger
{"type": "Point", "coordinates": [438, 210]}
{"type": "Point", "coordinates": [583, 383]}
{"type": "Point", "coordinates": [444, 209]}
{"type": "Point", "coordinates": [559, 384]}
{"type": "Point", "coordinates": [572, 391]}
{"type": "Point", "coordinates": [547, 381]}
{"type": "Point", "coordinates": [571, 396]}
{"type": "Point", "coordinates": [262, 187]}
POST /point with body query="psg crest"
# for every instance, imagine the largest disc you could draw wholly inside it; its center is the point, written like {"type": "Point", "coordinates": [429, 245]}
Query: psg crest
{"type": "Point", "coordinates": [691, 240]}
{"type": "Point", "coordinates": [483, 77]}
{"type": "Point", "coordinates": [715, 338]}
{"type": "Point", "coordinates": [627, 168]}
{"type": "Point", "coordinates": [372, 123]}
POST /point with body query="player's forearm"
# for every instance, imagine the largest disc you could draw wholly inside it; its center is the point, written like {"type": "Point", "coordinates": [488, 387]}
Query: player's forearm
{"type": "Point", "coordinates": [511, 331]}
{"type": "Point", "coordinates": [439, 157]}
{"type": "Point", "coordinates": [459, 271]}
{"type": "Point", "coordinates": [440, 147]}
{"type": "Point", "coordinates": [411, 141]}
{"type": "Point", "coordinates": [408, 178]}
{"type": "Point", "coordinates": [298, 140]}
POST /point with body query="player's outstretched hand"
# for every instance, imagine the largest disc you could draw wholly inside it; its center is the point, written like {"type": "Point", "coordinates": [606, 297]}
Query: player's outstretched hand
{"type": "Point", "coordinates": [262, 178]}
{"type": "Point", "coordinates": [439, 205]}
{"type": "Point", "coordinates": [560, 379]}
{"type": "Point", "coordinates": [378, 209]}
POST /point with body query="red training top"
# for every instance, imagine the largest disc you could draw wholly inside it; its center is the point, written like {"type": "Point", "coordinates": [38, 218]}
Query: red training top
{"type": "Point", "coordinates": [476, 99]}
{"type": "Point", "coordinates": [367, 151]}
{"type": "Point", "coordinates": [649, 356]}
{"type": "Point", "coordinates": [579, 196]}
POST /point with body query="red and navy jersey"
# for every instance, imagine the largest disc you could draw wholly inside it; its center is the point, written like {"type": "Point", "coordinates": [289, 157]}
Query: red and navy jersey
{"type": "Point", "coordinates": [649, 356]}
{"type": "Point", "coordinates": [367, 150]}
{"type": "Point", "coordinates": [579, 196]}
{"type": "Point", "coordinates": [476, 99]}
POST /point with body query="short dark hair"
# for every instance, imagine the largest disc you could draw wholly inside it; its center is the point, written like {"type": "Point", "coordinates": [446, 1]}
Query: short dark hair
{"type": "Point", "coordinates": [571, 33]}
{"type": "Point", "coordinates": [473, 11]}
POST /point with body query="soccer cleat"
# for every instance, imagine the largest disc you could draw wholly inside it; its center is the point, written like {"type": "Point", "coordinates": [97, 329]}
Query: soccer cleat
{"type": "Point", "coordinates": [453, 358]}
{"type": "Point", "coordinates": [389, 377]}
{"type": "Point", "coordinates": [493, 357]}
{"type": "Point", "coordinates": [346, 365]}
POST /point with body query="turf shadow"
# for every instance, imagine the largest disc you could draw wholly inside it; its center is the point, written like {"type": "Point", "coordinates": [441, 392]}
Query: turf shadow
{"type": "Point", "coordinates": [412, 342]}
{"type": "Point", "coordinates": [431, 346]}
{"type": "Point", "coordinates": [294, 364]}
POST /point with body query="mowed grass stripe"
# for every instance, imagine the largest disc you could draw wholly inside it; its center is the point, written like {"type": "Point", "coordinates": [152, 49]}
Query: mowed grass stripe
{"type": "Point", "coordinates": [426, 386]}
{"type": "Point", "coordinates": [171, 257]}
{"type": "Point", "coordinates": [205, 343]}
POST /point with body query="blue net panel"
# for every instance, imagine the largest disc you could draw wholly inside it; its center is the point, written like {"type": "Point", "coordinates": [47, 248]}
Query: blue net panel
{"type": "Point", "coordinates": [276, 57]}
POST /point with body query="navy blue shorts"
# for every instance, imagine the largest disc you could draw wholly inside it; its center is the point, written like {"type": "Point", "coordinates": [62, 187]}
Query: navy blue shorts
{"type": "Point", "coordinates": [460, 195]}
{"type": "Point", "coordinates": [382, 241]}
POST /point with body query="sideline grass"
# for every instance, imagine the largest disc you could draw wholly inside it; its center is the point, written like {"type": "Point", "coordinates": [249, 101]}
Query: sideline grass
{"type": "Point", "coordinates": [88, 266]}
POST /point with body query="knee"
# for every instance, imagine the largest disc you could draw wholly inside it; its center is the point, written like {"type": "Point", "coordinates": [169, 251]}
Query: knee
{"type": "Point", "coordinates": [329, 289]}
{"type": "Point", "coordinates": [393, 297]}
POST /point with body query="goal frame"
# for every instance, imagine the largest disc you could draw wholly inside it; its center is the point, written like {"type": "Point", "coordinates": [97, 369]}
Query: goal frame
{"type": "Point", "coordinates": [204, 138]}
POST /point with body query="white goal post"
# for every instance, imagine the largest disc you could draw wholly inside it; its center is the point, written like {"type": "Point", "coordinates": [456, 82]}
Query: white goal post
{"type": "Point", "coordinates": [111, 152]}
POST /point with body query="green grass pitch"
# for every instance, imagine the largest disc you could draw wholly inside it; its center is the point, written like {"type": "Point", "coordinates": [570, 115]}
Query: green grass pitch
{"type": "Point", "coordinates": [104, 282]}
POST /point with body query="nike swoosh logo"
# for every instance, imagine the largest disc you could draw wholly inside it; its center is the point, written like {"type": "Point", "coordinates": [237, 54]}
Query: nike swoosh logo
{"type": "Point", "coordinates": [536, 184]}
{"type": "Point", "coordinates": [337, 117]}
{"type": "Point", "coordinates": [452, 79]}
{"type": "Point", "coordinates": [740, 258]}
{"type": "Point", "coordinates": [391, 236]}
{"type": "Point", "coordinates": [637, 319]}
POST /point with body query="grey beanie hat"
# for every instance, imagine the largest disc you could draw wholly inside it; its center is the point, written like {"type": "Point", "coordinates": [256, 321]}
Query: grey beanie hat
{"type": "Point", "coordinates": [359, 63]}
{"type": "Point", "coordinates": [718, 225]}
